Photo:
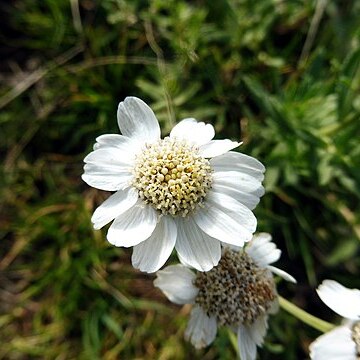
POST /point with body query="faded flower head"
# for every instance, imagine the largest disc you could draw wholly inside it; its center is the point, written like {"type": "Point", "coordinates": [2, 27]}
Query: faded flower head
{"type": "Point", "coordinates": [235, 277]}
{"type": "Point", "coordinates": [239, 292]}
{"type": "Point", "coordinates": [343, 342]}
{"type": "Point", "coordinates": [185, 191]}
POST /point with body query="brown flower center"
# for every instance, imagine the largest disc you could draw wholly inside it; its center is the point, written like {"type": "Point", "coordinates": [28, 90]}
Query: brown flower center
{"type": "Point", "coordinates": [236, 291]}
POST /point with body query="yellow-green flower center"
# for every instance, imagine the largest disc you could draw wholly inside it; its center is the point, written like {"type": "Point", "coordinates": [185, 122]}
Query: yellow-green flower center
{"type": "Point", "coordinates": [236, 291]}
{"type": "Point", "coordinates": [171, 176]}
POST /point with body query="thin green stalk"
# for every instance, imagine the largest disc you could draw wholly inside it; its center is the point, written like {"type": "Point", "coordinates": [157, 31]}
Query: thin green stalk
{"type": "Point", "coordinates": [305, 317]}
{"type": "Point", "coordinates": [233, 340]}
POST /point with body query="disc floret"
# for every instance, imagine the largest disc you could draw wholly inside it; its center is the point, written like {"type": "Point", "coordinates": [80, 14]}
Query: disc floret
{"type": "Point", "coordinates": [236, 291]}
{"type": "Point", "coordinates": [171, 176]}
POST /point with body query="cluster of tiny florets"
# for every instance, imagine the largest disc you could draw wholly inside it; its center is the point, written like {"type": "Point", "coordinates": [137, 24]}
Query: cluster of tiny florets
{"type": "Point", "coordinates": [355, 335]}
{"type": "Point", "coordinates": [236, 291]}
{"type": "Point", "coordinates": [171, 176]}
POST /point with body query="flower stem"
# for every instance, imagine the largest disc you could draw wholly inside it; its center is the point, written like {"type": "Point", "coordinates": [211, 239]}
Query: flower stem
{"type": "Point", "coordinates": [233, 340]}
{"type": "Point", "coordinates": [305, 317]}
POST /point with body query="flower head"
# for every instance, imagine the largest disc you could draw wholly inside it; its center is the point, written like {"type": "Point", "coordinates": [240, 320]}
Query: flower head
{"type": "Point", "coordinates": [239, 292]}
{"type": "Point", "coordinates": [343, 342]}
{"type": "Point", "coordinates": [185, 191]}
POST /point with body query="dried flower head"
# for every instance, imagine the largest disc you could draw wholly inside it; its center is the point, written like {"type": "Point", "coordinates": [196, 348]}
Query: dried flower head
{"type": "Point", "coordinates": [239, 292]}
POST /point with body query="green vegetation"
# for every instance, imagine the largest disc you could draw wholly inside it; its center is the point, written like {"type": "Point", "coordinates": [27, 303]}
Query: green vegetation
{"type": "Point", "coordinates": [282, 76]}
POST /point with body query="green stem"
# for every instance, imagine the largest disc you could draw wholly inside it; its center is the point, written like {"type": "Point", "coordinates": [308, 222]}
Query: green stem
{"type": "Point", "coordinates": [233, 340]}
{"type": "Point", "coordinates": [305, 317]}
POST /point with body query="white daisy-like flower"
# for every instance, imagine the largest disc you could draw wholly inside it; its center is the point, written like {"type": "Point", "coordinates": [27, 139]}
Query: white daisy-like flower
{"type": "Point", "coordinates": [239, 292]}
{"type": "Point", "coordinates": [185, 191]}
{"type": "Point", "coordinates": [343, 342]}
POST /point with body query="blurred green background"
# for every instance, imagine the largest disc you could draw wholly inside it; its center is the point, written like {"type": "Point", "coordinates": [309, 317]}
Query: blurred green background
{"type": "Point", "coordinates": [282, 76]}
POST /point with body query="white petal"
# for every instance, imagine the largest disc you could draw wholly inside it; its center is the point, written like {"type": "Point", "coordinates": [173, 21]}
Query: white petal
{"type": "Point", "coordinates": [194, 247]}
{"type": "Point", "coordinates": [247, 346]}
{"type": "Point", "coordinates": [115, 205]}
{"type": "Point", "coordinates": [344, 301]}
{"type": "Point", "coordinates": [217, 147]}
{"type": "Point", "coordinates": [133, 226]}
{"type": "Point", "coordinates": [150, 255]}
{"type": "Point", "coordinates": [137, 121]}
{"type": "Point", "coordinates": [262, 250]}
{"type": "Point", "coordinates": [282, 274]}
{"type": "Point", "coordinates": [235, 161]}
{"type": "Point", "coordinates": [195, 132]}
{"type": "Point", "coordinates": [110, 140]}
{"type": "Point", "coordinates": [248, 199]}
{"type": "Point", "coordinates": [176, 282]}
{"type": "Point", "coordinates": [104, 178]}
{"type": "Point", "coordinates": [110, 156]}
{"type": "Point", "coordinates": [334, 345]}
{"type": "Point", "coordinates": [201, 329]}
{"type": "Point", "coordinates": [108, 169]}
{"type": "Point", "coordinates": [237, 179]}
{"type": "Point", "coordinates": [251, 335]}
{"type": "Point", "coordinates": [258, 330]}
{"type": "Point", "coordinates": [274, 307]}
{"type": "Point", "coordinates": [117, 141]}
{"type": "Point", "coordinates": [226, 219]}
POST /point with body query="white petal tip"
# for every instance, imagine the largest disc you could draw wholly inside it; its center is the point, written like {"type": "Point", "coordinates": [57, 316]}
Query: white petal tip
{"type": "Point", "coordinates": [283, 274]}
{"type": "Point", "coordinates": [146, 270]}
{"type": "Point", "coordinates": [97, 226]}
{"type": "Point", "coordinates": [291, 279]}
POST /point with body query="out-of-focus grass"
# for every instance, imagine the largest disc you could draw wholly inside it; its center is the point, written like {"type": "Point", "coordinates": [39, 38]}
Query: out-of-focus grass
{"type": "Point", "coordinates": [241, 65]}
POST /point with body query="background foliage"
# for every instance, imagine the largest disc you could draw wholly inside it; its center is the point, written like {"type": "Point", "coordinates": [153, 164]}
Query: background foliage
{"type": "Point", "coordinates": [281, 75]}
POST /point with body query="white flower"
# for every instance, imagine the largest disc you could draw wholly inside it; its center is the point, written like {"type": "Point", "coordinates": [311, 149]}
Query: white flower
{"type": "Point", "coordinates": [168, 193]}
{"type": "Point", "coordinates": [343, 342]}
{"type": "Point", "coordinates": [239, 292]}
